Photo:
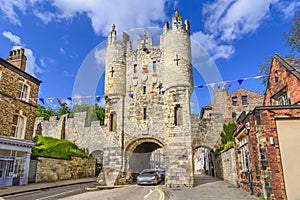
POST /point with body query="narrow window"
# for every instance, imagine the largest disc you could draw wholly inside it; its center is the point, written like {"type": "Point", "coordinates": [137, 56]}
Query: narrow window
{"type": "Point", "coordinates": [135, 68]}
{"type": "Point", "coordinates": [23, 90]}
{"type": "Point", "coordinates": [234, 101]}
{"type": "Point", "coordinates": [145, 114]}
{"type": "Point", "coordinates": [18, 126]}
{"type": "Point", "coordinates": [144, 90]}
{"type": "Point", "coordinates": [111, 127]}
{"type": "Point", "coordinates": [233, 114]}
{"type": "Point", "coordinates": [276, 77]}
{"type": "Point", "coordinates": [244, 100]}
{"type": "Point", "coordinates": [0, 75]}
{"type": "Point", "coordinates": [154, 66]}
{"type": "Point", "coordinates": [177, 115]}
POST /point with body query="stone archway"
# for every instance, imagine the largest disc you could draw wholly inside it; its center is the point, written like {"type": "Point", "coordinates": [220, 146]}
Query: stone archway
{"type": "Point", "coordinates": [98, 155]}
{"type": "Point", "coordinates": [204, 160]}
{"type": "Point", "coordinates": [139, 154]}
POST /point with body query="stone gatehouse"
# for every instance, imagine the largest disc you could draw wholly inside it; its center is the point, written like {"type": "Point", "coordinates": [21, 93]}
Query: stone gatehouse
{"type": "Point", "coordinates": [147, 107]}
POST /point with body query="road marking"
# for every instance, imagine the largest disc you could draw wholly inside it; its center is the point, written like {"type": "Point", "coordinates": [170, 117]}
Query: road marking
{"type": "Point", "coordinates": [162, 194]}
{"type": "Point", "coordinates": [55, 195]}
{"type": "Point", "coordinates": [148, 194]}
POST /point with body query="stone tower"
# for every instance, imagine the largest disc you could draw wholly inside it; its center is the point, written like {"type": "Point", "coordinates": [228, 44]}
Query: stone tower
{"type": "Point", "coordinates": [147, 93]}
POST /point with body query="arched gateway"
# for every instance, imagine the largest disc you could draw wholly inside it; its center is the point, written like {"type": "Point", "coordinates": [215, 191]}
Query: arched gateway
{"type": "Point", "coordinates": [147, 102]}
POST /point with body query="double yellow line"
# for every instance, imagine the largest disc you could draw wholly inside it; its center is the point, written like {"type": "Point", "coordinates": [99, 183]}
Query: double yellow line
{"type": "Point", "coordinates": [161, 193]}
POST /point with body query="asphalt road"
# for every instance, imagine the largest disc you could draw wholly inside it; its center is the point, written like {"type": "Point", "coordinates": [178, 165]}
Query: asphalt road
{"type": "Point", "coordinates": [51, 193]}
{"type": "Point", "coordinates": [133, 192]}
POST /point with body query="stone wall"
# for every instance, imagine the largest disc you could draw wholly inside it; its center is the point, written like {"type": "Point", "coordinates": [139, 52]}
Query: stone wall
{"type": "Point", "coordinates": [226, 166]}
{"type": "Point", "coordinates": [50, 170]}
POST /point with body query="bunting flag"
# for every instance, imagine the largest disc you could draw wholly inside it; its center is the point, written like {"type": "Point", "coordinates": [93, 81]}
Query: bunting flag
{"type": "Point", "coordinates": [241, 81]}
{"type": "Point", "coordinates": [69, 98]}
{"type": "Point", "coordinates": [98, 98]}
{"type": "Point", "coordinates": [163, 92]}
{"type": "Point", "coordinates": [131, 95]}
{"type": "Point", "coordinates": [42, 100]}
{"type": "Point", "coordinates": [200, 86]}
{"type": "Point", "coordinates": [257, 77]}
{"type": "Point", "coordinates": [1, 99]}
{"type": "Point", "coordinates": [291, 70]}
{"type": "Point", "coordinates": [152, 93]}
{"type": "Point", "coordinates": [50, 100]}
{"type": "Point", "coordinates": [225, 82]}
{"type": "Point", "coordinates": [212, 85]}
{"type": "Point", "coordinates": [33, 100]}
{"type": "Point", "coordinates": [59, 99]}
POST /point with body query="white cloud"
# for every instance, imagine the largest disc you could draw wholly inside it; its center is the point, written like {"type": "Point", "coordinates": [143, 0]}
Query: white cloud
{"type": "Point", "coordinates": [231, 19]}
{"type": "Point", "coordinates": [288, 8]}
{"type": "Point", "coordinates": [31, 67]}
{"type": "Point", "coordinates": [13, 38]}
{"type": "Point", "coordinates": [62, 51]}
{"type": "Point", "coordinates": [102, 13]}
{"type": "Point", "coordinates": [8, 10]}
{"type": "Point", "coordinates": [100, 56]}
{"type": "Point", "coordinates": [211, 45]}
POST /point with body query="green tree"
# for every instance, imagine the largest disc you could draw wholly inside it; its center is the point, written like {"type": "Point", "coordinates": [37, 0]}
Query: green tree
{"type": "Point", "coordinates": [293, 35]}
{"type": "Point", "coordinates": [64, 109]}
{"type": "Point", "coordinates": [227, 133]}
{"type": "Point", "coordinates": [41, 111]}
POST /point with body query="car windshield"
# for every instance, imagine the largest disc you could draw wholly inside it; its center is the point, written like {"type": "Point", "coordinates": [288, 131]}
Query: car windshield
{"type": "Point", "coordinates": [148, 172]}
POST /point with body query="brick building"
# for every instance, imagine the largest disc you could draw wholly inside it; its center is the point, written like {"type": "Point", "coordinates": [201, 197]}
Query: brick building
{"type": "Point", "coordinates": [18, 95]}
{"type": "Point", "coordinates": [266, 138]}
{"type": "Point", "coordinates": [233, 104]}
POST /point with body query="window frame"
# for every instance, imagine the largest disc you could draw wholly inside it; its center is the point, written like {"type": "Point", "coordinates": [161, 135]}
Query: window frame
{"type": "Point", "coordinates": [245, 102]}
{"type": "Point", "coordinates": [234, 103]}
{"type": "Point", "coordinates": [22, 95]}
{"type": "Point", "coordinates": [18, 129]}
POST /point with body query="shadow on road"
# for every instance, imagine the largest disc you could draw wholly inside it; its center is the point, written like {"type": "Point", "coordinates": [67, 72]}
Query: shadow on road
{"type": "Point", "coordinates": [204, 179]}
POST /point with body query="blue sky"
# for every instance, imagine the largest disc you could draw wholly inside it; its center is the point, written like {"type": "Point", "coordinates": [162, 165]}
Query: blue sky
{"type": "Point", "coordinates": [58, 35]}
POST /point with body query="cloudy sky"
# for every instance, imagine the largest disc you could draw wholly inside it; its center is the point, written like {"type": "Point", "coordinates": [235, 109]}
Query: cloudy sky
{"type": "Point", "coordinates": [58, 35]}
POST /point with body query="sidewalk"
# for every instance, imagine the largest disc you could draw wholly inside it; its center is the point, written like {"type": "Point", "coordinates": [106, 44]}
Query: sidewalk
{"type": "Point", "coordinates": [209, 188]}
{"type": "Point", "coordinates": [8, 190]}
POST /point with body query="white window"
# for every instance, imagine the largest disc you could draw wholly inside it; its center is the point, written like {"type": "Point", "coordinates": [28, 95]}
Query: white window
{"type": "Point", "coordinates": [18, 126]}
{"type": "Point", "coordinates": [244, 153]}
{"type": "Point", "coordinates": [24, 90]}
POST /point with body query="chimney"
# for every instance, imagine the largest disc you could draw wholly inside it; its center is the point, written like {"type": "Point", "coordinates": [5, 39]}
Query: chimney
{"type": "Point", "coordinates": [17, 58]}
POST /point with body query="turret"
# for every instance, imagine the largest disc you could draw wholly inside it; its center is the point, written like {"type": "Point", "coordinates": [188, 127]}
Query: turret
{"type": "Point", "coordinates": [115, 73]}
{"type": "Point", "coordinates": [176, 46]}
{"type": "Point", "coordinates": [17, 58]}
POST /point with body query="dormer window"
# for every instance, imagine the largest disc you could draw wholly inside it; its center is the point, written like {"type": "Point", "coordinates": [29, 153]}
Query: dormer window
{"type": "Point", "coordinates": [23, 90]}
{"type": "Point", "coordinates": [276, 76]}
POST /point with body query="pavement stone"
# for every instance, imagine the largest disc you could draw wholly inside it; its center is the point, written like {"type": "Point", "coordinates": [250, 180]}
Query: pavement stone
{"type": "Point", "coordinates": [209, 188]}
{"type": "Point", "coordinates": [9, 190]}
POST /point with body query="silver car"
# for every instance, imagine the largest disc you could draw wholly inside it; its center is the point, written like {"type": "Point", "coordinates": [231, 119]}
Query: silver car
{"type": "Point", "coordinates": [148, 177]}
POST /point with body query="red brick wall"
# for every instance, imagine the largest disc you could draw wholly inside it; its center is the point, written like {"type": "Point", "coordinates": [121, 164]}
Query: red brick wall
{"type": "Point", "coordinates": [267, 173]}
{"type": "Point", "coordinates": [9, 89]}
{"type": "Point", "coordinates": [285, 79]}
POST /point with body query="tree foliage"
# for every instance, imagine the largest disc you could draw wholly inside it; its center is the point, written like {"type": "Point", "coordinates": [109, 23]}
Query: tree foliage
{"type": "Point", "coordinates": [46, 113]}
{"type": "Point", "coordinates": [227, 133]}
{"type": "Point", "coordinates": [94, 112]}
{"type": "Point", "coordinates": [293, 35]}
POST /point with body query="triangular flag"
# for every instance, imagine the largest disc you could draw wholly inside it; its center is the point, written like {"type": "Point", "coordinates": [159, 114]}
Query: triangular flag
{"type": "Point", "coordinates": [212, 85]}
{"type": "Point", "coordinates": [50, 100]}
{"type": "Point", "coordinates": [60, 100]}
{"type": "Point", "coordinates": [7, 99]}
{"type": "Point", "coordinates": [257, 77]}
{"type": "Point", "coordinates": [33, 100]}
{"type": "Point", "coordinates": [291, 70]}
{"type": "Point", "coordinates": [200, 86]}
{"type": "Point", "coordinates": [98, 98]}
{"type": "Point", "coordinates": [69, 98]}
{"type": "Point", "coordinates": [152, 93]}
{"type": "Point", "coordinates": [15, 99]}
{"type": "Point", "coordinates": [241, 81]}
{"type": "Point", "coordinates": [88, 97]}
{"type": "Point", "coordinates": [163, 92]}
{"type": "Point", "coordinates": [42, 100]}
{"type": "Point", "coordinates": [225, 82]}
{"type": "Point", "coordinates": [273, 74]}
{"type": "Point", "coordinates": [131, 95]}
